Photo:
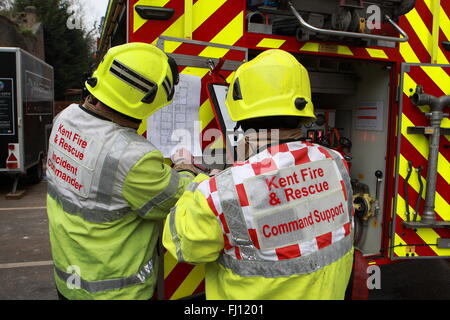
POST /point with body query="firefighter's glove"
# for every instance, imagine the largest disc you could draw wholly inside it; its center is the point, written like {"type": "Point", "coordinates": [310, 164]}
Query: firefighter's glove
{"type": "Point", "coordinates": [182, 156]}
{"type": "Point", "coordinates": [183, 161]}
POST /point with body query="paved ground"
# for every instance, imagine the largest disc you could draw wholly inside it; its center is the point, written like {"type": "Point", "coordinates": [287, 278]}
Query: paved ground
{"type": "Point", "coordinates": [25, 258]}
{"type": "Point", "coordinates": [26, 271]}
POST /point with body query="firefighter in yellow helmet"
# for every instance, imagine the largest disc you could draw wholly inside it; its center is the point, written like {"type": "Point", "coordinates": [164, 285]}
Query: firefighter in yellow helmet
{"type": "Point", "coordinates": [277, 225]}
{"type": "Point", "coordinates": [108, 187]}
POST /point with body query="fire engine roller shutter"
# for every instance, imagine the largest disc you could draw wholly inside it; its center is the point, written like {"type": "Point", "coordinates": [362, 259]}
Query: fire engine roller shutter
{"type": "Point", "coordinates": [421, 242]}
{"type": "Point", "coordinates": [219, 21]}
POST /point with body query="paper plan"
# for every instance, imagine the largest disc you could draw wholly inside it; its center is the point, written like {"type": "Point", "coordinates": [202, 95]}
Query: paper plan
{"type": "Point", "coordinates": [177, 125]}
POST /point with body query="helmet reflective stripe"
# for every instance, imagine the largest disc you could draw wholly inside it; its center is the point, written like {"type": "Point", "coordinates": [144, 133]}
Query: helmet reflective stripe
{"type": "Point", "coordinates": [167, 86]}
{"type": "Point", "coordinates": [131, 77]}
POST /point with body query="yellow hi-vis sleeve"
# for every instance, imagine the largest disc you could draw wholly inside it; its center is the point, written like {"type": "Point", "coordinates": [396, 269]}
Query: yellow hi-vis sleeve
{"type": "Point", "coordinates": [152, 188]}
{"type": "Point", "coordinates": [191, 232]}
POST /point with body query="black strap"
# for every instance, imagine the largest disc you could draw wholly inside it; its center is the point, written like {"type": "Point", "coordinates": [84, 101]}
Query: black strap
{"type": "Point", "coordinates": [93, 113]}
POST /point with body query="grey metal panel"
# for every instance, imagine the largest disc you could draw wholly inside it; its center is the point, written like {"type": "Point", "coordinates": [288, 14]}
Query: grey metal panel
{"type": "Point", "coordinates": [335, 83]}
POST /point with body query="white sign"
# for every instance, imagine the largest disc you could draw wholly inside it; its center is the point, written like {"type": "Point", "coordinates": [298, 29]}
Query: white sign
{"type": "Point", "coordinates": [369, 116]}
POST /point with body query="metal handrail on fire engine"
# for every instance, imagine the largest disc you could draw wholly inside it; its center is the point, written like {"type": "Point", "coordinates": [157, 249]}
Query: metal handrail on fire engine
{"type": "Point", "coordinates": [200, 61]}
{"type": "Point", "coordinates": [351, 34]}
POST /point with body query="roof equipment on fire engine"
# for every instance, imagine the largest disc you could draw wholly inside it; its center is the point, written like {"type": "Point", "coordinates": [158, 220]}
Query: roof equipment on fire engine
{"type": "Point", "coordinates": [343, 21]}
{"type": "Point", "coordinates": [333, 19]}
{"type": "Point", "coordinates": [436, 115]}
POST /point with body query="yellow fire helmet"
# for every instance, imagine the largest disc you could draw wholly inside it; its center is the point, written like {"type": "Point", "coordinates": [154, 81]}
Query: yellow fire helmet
{"type": "Point", "coordinates": [272, 84]}
{"type": "Point", "coordinates": [135, 79]}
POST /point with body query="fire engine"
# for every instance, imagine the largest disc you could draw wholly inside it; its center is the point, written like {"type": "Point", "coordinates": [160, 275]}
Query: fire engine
{"type": "Point", "coordinates": [380, 77]}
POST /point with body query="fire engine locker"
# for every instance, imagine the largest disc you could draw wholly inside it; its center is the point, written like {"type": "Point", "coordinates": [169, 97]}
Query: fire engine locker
{"type": "Point", "coordinates": [361, 119]}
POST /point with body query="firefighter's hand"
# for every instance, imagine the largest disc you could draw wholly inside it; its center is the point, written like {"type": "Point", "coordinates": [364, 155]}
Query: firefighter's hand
{"type": "Point", "coordinates": [182, 156]}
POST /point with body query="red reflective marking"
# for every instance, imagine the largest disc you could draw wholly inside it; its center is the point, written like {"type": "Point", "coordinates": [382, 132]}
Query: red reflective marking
{"type": "Point", "coordinates": [288, 252]}
{"type": "Point", "coordinates": [224, 223]}
{"type": "Point", "coordinates": [242, 195]}
{"type": "Point", "coordinates": [324, 240]}
{"type": "Point", "coordinates": [212, 206]}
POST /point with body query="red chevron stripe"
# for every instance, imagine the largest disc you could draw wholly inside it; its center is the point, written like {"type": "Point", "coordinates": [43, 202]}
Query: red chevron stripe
{"type": "Point", "coordinates": [211, 125]}
{"type": "Point", "coordinates": [420, 51]}
{"type": "Point", "coordinates": [421, 77]}
{"type": "Point", "coordinates": [425, 14]}
{"type": "Point", "coordinates": [200, 288]}
{"type": "Point", "coordinates": [176, 278]}
{"type": "Point", "coordinates": [409, 236]}
{"type": "Point", "coordinates": [212, 26]}
{"type": "Point", "coordinates": [446, 6]}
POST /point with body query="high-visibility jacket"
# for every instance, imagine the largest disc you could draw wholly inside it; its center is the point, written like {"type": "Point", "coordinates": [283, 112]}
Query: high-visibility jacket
{"type": "Point", "coordinates": [108, 193]}
{"type": "Point", "coordinates": [277, 226]}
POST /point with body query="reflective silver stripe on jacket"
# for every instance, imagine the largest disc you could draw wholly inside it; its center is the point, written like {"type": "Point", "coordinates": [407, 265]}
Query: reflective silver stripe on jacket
{"type": "Point", "coordinates": [192, 186]}
{"type": "Point", "coordinates": [109, 168]}
{"type": "Point", "coordinates": [168, 193]}
{"type": "Point", "coordinates": [173, 229]}
{"type": "Point", "coordinates": [175, 238]}
{"type": "Point", "coordinates": [96, 215]}
{"type": "Point", "coordinates": [252, 266]}
{"type": "Point", "coordinates": [285, 268]}
{"type": "Point", "coordinates": [103, 285]}
{"type": "Point", "coordinates": [234, 216]}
